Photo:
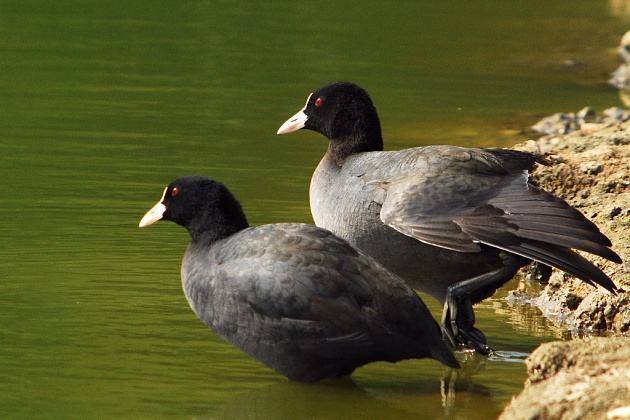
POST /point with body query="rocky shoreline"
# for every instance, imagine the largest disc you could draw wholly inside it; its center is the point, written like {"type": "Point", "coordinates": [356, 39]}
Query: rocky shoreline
{"type": "Point", "coordinates": [591, 170]}
{"type": "Point", "coordinates": [584, 378]}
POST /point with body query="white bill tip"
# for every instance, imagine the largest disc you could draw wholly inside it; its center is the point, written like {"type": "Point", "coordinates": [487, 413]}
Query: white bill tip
{"type": "Point", "coordinates": [295, 122]}
{"type": "Point", "coordinates": [155, 213]}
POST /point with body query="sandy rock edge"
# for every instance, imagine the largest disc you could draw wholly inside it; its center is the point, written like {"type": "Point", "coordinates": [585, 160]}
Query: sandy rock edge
{"type": "Point", "coordinates": [586, 378]}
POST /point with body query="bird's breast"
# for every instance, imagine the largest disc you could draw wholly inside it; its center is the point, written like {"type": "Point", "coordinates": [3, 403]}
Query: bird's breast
{"type": "Point", "coordinates": [342, 203]}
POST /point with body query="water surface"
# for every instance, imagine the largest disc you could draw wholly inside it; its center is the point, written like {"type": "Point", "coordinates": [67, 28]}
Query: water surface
{"type": "Point", "coordinates": [103, 103]}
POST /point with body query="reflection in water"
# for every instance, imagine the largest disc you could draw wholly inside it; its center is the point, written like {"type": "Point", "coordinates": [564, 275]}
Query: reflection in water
{"type": "Point", "coordinates": [458, 387]}
{"type": "Point", "coordinates": [292, 400]}
{"type": "Point", "coordinates": [520, 313]}
{"type": "Point", "coordinates": [458, 394]}
{"type": "Point", "coordinates": [522, 310]}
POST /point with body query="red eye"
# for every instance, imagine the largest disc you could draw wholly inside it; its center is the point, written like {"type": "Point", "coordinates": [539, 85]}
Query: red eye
{"type": "Point", "coordinates": [174, 192]}
{"type": "Point", "coordinates": [319, 102]}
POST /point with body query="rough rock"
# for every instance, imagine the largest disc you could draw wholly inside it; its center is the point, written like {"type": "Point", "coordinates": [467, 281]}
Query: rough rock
{"type": "Point", "coordinates": [581, 379]}
{"type": "Point", "coordinates": [621, 77]}
{"type": "Point", "coordinates": [591, 170]}
{"type": "Point", "coordinates": [586, 120]}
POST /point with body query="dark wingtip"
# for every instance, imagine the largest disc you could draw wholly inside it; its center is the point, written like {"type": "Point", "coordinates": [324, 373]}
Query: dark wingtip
{"type": "Point", "coordinates": [542, 159]}
{"type": "Point", "coordinates": [603, 280]}
{"type": "Point", "coordinates": [518, 159]}
{"type": "Point", "coordinates": [615, 257]}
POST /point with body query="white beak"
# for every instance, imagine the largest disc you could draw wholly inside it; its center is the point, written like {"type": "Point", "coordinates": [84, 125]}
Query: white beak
{"type": "Point", "coordinates": [155, 213]}
{"type": "Point", "coordinates": [295, 122]}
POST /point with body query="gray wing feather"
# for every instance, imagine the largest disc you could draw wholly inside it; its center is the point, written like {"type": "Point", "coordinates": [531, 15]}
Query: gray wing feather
{"type": "Point", "coordinates": [457, 199]}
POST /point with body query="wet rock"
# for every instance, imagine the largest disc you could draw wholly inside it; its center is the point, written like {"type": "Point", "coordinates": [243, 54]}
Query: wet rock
{"type": "Point", "coordinates": [556, 124]}
{"type": "Point", "coordinates": [575, 380]}
{"type": "Point", "coordinates": [581, 309]}
{"type": "Point", "coordinates": [585, 120]}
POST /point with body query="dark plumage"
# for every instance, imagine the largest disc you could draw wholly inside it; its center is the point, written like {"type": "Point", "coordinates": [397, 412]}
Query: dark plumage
{"type": "Point", "coordinates": [454, 222]}
{"type": "Point", "coordinates": [293, 296]}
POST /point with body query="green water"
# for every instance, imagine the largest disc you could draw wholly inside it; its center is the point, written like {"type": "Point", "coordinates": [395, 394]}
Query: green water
{"type": "Point", "coordinates": [103, 103]}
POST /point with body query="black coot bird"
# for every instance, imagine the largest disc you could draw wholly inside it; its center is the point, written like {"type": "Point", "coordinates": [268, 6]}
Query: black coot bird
{"type": "Point", "coordinates": [454, 222]}
{"type": "Point", "coordinates": [293, 296]}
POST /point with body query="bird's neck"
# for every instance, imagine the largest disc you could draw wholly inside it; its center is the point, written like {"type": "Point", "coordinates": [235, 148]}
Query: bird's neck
{"type": "Point", "coordinates": [205, 233]}
{"type": "Point", "coordinates": [340, 148]}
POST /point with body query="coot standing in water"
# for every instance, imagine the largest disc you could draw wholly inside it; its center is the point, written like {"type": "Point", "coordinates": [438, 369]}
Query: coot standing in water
{"type": "Point", "coordinates": [293, 296]}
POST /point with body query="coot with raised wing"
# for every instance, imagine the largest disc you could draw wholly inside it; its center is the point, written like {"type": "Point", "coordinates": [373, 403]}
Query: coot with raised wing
{"type": "Point", "coordinates": [454, 222]}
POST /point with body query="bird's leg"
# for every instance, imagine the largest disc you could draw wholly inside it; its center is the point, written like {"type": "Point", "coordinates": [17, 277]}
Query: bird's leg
{"type": "Point", "coordinates": [458, 317]}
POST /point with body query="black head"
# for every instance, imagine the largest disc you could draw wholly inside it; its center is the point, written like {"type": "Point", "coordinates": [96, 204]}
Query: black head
{"type": "Point", "coordinates": [203, 206]}
{"type": "Point", "coordinates": [345, 114]}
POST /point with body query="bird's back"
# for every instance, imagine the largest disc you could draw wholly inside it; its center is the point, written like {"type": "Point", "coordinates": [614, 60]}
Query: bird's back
{"type": "Point", "coordinates": [306, 303]}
